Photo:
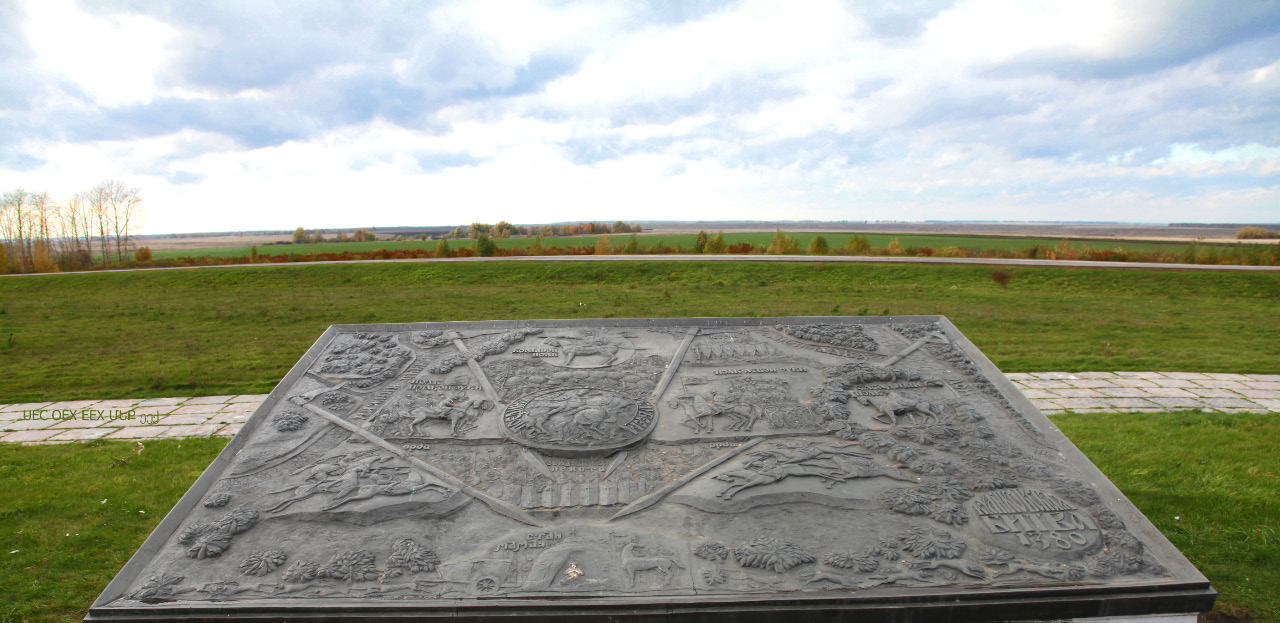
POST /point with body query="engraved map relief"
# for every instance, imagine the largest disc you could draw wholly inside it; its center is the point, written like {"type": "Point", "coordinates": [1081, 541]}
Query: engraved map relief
{"type": "Point", "coordinates": [834, 456]}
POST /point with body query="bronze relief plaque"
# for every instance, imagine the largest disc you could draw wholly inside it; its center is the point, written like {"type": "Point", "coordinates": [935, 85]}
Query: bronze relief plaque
{"type": "Point", "coordinates": [673, 469]}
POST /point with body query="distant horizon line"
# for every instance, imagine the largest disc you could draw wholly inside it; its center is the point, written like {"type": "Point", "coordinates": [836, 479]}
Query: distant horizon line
{"type": "Point", "coordinates": [698, 223]}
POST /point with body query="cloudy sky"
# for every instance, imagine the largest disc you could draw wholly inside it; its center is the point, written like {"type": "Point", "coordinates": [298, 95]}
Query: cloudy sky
{"type": "Point", "coordinates": [254, 115]}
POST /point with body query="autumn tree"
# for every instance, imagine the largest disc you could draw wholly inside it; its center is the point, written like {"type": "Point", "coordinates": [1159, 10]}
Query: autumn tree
{"type": "Point", "coordinates": [783, 244]}
{"type": "Point", "coordinates": [503, 229]}
{"type": "Point", "coordinates": [716, 244]}
{"type": "Point", "coordinates": [442, 249]}
{"type": "Point", "coordinates": [701, 244]}
{"type": "Point", "coordinates": [857, 245]}
{"type": "Point", "coordinates": [818, 246]}
{"type": "Point", "coordinates": [485, 246]}
{"type": "Point", "coordinates": [602, 246]}
{"type": "Point", "coordinates": [633, 245]}
{"type": "Point", "coordinates": [299, 236]}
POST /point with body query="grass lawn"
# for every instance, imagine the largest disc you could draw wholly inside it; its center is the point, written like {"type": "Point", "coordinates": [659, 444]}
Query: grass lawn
{"type": "Point", "coordinates": [1210, 482]}
{"type": "Point", "coordinates": [238, 330]}
{"type": "Point", "coordinates": [835, 240]}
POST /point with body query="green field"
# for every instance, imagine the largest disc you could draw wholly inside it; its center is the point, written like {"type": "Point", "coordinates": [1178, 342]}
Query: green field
{"type": "Point", "coordinates": [835, 240]}
{"type": "Point", "coordinates": [1208, 481]}
{"type": "Point", "coordinates": [238, 330]}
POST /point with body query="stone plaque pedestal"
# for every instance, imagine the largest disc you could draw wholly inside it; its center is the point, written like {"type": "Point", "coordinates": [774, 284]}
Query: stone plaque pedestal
{"type": "Point", "coordinates": [836, 469]}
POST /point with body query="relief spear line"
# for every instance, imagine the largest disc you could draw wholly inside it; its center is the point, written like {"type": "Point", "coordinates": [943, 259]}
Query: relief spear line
{"type": "Point", "coordinates": [536, 463]}
{"type": "Point", "coordinates": [479, 374]}
{"type": "Point", "coordinates": [676, 359]}
{"type": "Point", "coordinates": [935, 337]}
{"type": "Point", "coordinates": [498, 506]}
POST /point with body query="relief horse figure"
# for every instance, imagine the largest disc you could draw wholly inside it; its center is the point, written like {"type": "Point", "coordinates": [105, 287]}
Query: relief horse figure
{"type": "Point", "coordinates": [571, 348]}
{"type": "Point", "coordinates": [700, 411]}
{"type": "Point", "coordinates": [459, 411]}
{"type": "Point", "coordinates": [633, 564]}
{"type": "Point", "coordinates": [889, 407]}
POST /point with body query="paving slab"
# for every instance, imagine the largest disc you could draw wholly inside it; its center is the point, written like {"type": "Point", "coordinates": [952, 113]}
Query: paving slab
{"type": "Point", "coordinates": [1047, 405]}
{"type": "Point", "coordinates": [191, 430]}
{"type": "Point", "coordinates": [1174, 383]}
{"type": "Point", "coordinates": [1222, 384]}
{"type": "Point", "coordinates": [249, 398]}
{"type": "Point", "coordinates": [1076, 393]}
{"type": "Point", "coordinates": [137, 432]}
{"type": "Point", "coordinates": [1181, 403]}
{"type": "Point", "coordinates": [1221, 376]}
{"type": "Point", "coordinates": [83, 423]}
{"type": "Point", "coordinates": [1125, 392]}
{"type": "Point", "coordinates": [209, 400]}
{"type": "Point", "coordinates": [28, 435]}
{"type": "Point", "coordinates": [1168, 392]}
{"type": "Point", "coordinates": [84, 434]}
{"type": "Point", "coordinates": [122, 404]}
{"type": "Point", "coordinates": [1204, 392]}
{"type": "Point", "coordinates": [1039, 393]}
{"type": "Point", "coordinates": [185, 419]}
{"type": "Point", "coordinates": [1186, 375]}
{"type": "Point", "coordinates": [155, 410]}
{"type": "Point", "coordinates": [240, 407]}
{"type": "Point", "coordinates": [1129, 403]}
{"type": "Point", "coordinates": [1231, 402]}
{"type": "Point", "coordinates": [227, 418]}
{"type": "Point", "coordinates": [160, 402]}
{"type": "Point", "coordinates": [197, 408]}
{"type": "Point", "coordinates": [1084, 383]}
{"type": "Point", "coordinates": [24, 406]}
{"type": "Point", "coordinates": [1259, 393]}
{"type": "Point", "coordinates": [230, 430]}
{"type": "Point", "coordinates": [28, 424]}
{"type": "Point", "coordinates": [1269, 403]}
{"type": "Point", "coordinates": [1045, 384]}
{"type": "Point", "coordinates": [1141, 375]}
{"type": "Point", "coordinates": [1097, 375]}
{"type": "Point", "coordinates": [1275, 378]}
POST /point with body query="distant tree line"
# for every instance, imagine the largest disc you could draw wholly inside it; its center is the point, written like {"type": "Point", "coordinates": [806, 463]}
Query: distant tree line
{"type": "Point", "coordinates": [302, 236]}
{"type": "Point", "coordinates": [503, 229]}
{"type": "Point", "coordinates": [1256, 233]}
{"type": "Point", "coordinates": [38, 234]}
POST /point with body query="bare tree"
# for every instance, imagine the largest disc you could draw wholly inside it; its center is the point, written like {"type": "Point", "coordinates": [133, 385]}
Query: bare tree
{"type": "Point", "coordinates": [122, 205]}
{"type": "Point", "coordinates": [15, 217]}
{"type": "Point", "coordinates": [98, 199]}
{"type": "Point", "coordinates": [76, 234]}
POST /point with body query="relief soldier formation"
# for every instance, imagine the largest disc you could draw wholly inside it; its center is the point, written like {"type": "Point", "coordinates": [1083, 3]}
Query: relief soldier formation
{"type": "Point", "coordinates": [669, 458]}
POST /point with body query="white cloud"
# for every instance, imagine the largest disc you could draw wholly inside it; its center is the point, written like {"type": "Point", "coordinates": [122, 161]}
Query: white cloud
{"type": "Point", "coordinates": [535, 112]}
{"type": "Point", "coordinates": [115, 59]}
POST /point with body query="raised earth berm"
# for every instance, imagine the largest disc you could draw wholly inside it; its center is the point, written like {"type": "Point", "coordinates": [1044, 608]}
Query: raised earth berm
{"type": "Point", "coordinates": [678, 469]}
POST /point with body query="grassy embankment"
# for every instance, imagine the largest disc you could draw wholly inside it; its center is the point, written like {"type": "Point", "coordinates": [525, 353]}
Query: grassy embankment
{"type": "Point", "coordinates": [686, 241]}
{"type": "Point", "coordinates": [238, 330]}
{"type": "Point", "coordinates": [1208, 481]}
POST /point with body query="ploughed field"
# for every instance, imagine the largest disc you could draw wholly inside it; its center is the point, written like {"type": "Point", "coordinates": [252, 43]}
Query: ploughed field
{"type": "Point", "coordinates": [238, 330]}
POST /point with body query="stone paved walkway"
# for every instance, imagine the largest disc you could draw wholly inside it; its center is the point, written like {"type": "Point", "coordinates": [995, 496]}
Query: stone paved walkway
{"type": "Point", "coordinates": [1052, 392]}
